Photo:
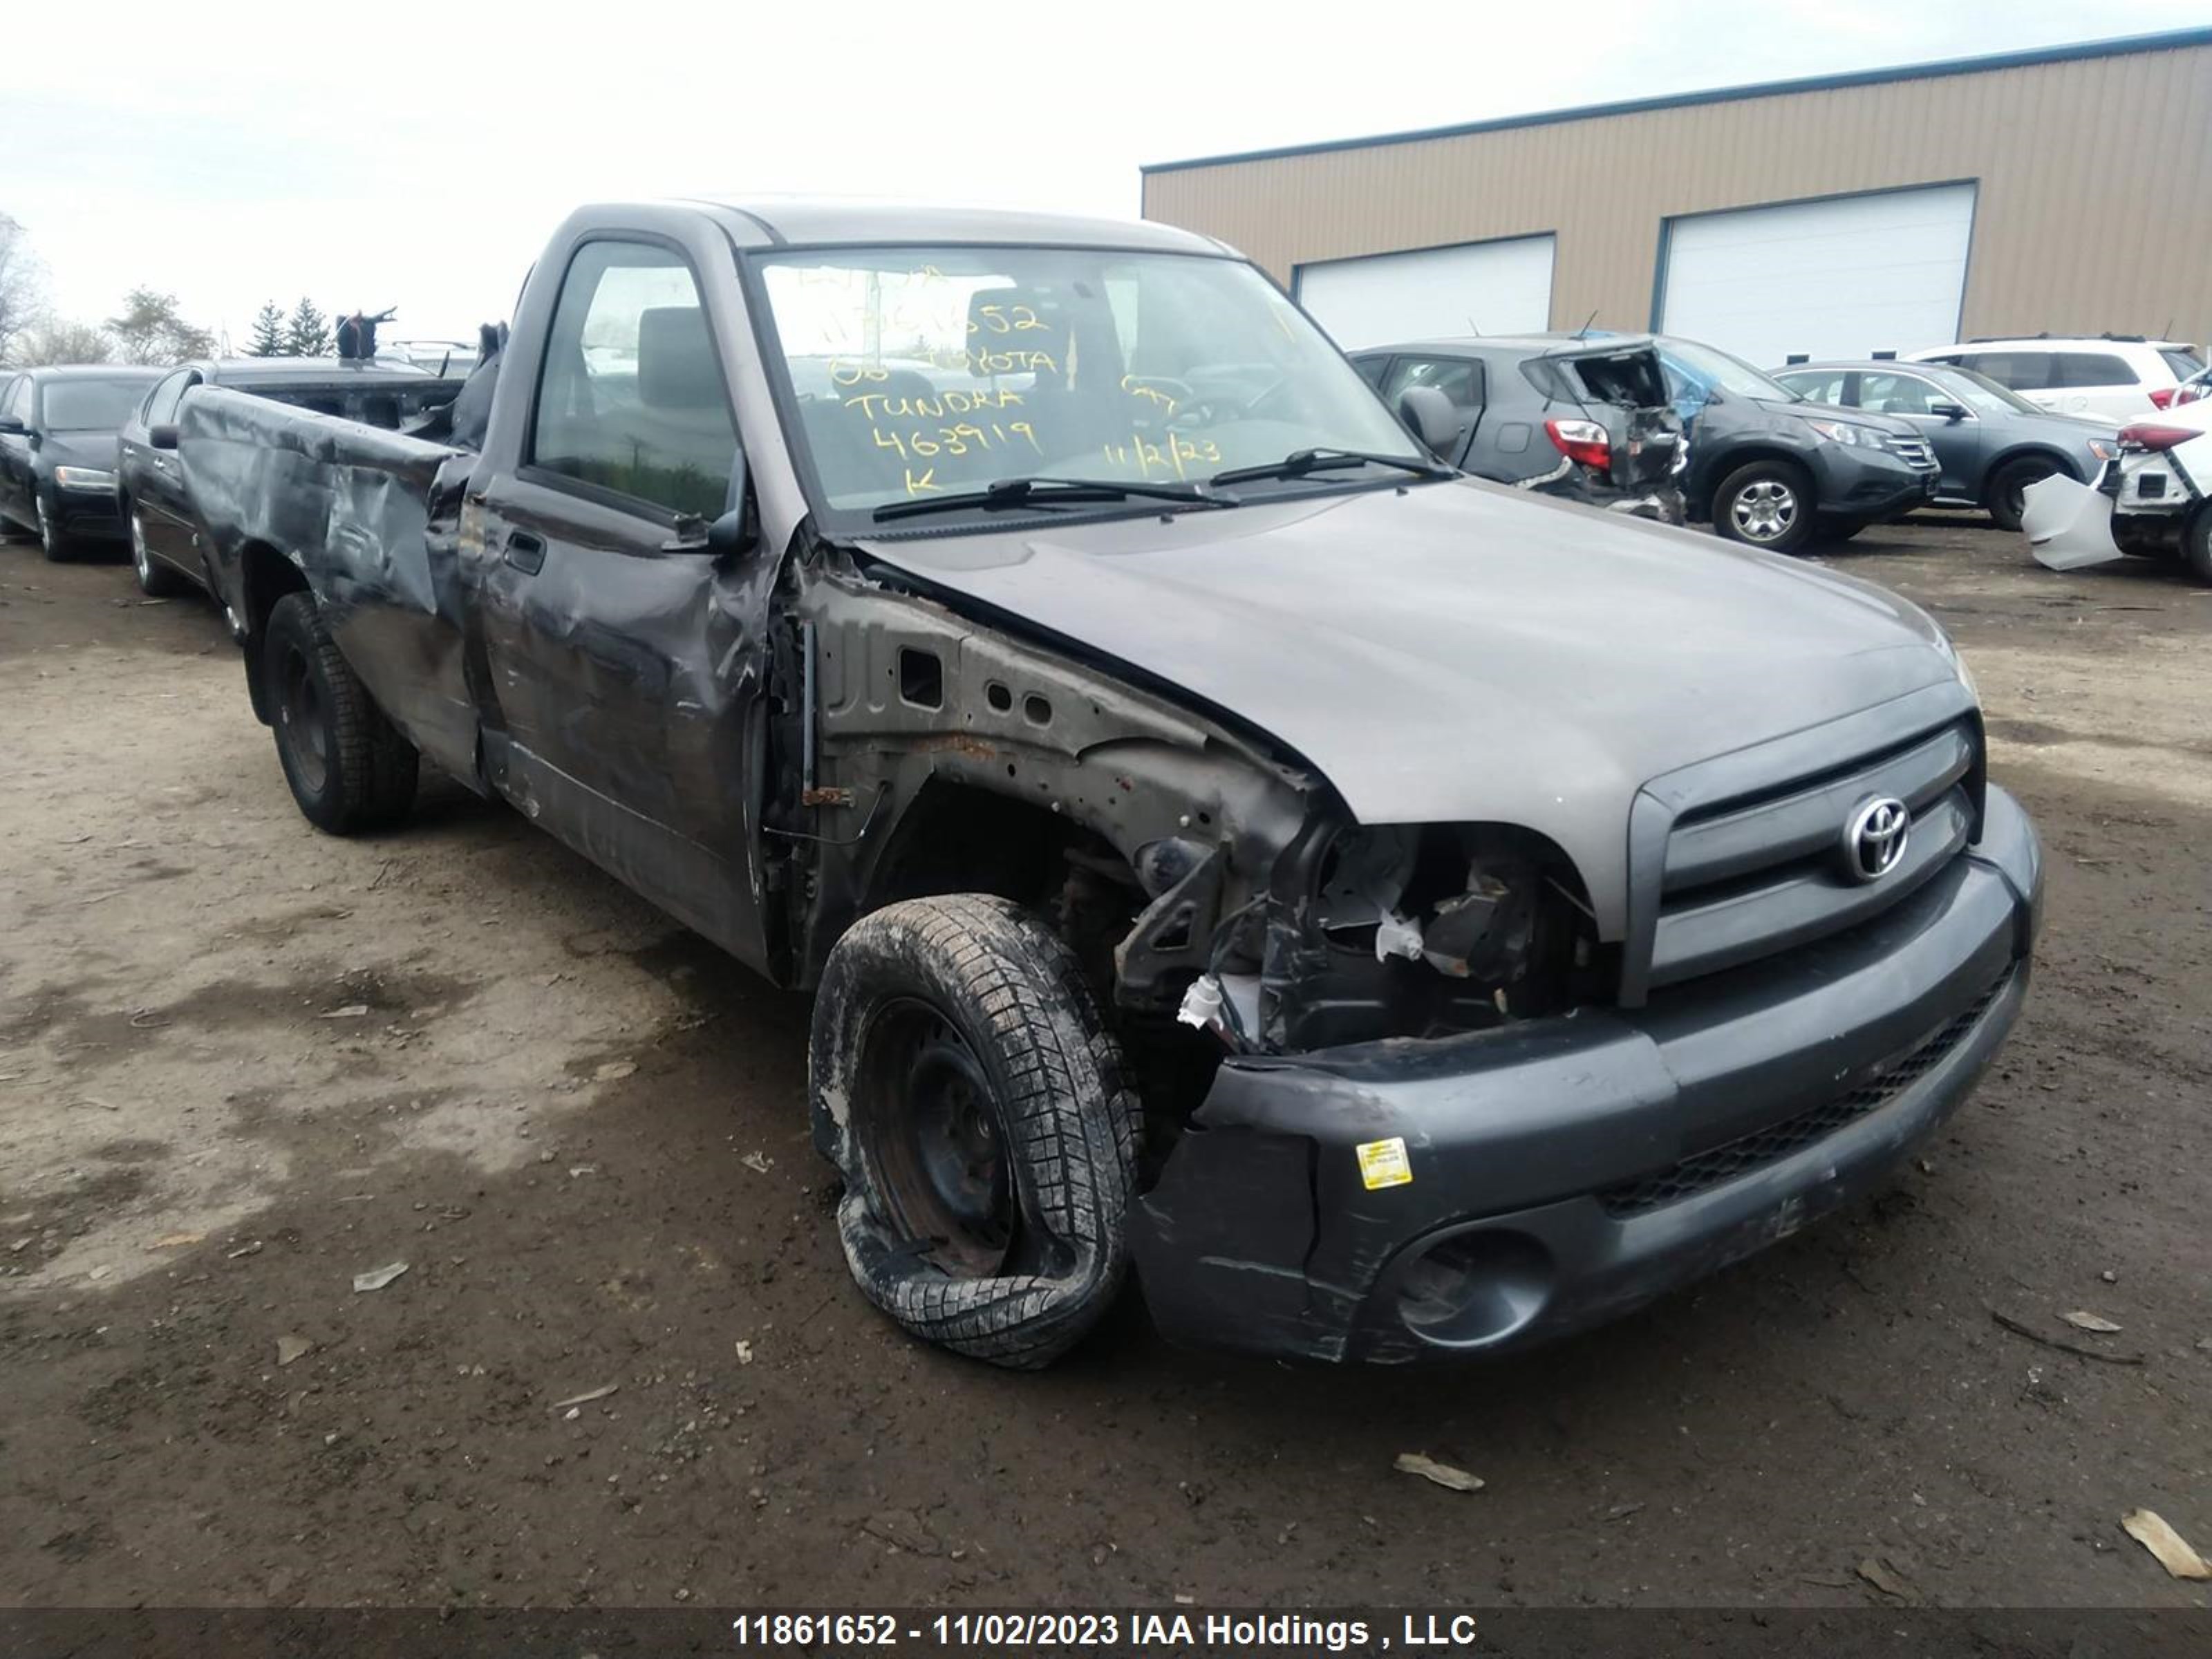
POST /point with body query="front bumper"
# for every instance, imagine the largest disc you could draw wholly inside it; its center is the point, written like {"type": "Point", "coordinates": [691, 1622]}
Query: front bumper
{"type": "Point", "coordinates": [1565, 1171]}
{"type": "Point", "coordinates": [89, 514]}
{"type": "Point", "coordinates": [1868, 485]}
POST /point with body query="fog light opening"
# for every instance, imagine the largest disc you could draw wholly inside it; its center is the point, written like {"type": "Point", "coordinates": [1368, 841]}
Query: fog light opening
{"type": "Point", "coordinates": [1473, 1288]}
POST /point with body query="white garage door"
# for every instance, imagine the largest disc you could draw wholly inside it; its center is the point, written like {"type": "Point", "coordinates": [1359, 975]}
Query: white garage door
{"type": "Point", "coordinates": [1838, 278]}
{"type": "Point", "coordinates": [1487, 287]}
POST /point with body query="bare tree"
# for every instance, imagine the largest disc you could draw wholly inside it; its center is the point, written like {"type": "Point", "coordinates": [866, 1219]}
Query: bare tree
{"type": "Point", "coordinates": [23, 285]}
{"type": "Point", "coordinates": [59, 342]}
{"type": "Point", "coordinates": [149, 330]}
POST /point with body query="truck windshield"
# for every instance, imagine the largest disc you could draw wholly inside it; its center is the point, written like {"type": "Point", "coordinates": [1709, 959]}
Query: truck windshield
{"type": "Point", "coordinates": [920, 371]}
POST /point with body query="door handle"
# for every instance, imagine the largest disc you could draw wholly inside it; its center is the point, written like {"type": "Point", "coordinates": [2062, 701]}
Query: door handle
{"type": "Point", "coordinates": [525, 552]}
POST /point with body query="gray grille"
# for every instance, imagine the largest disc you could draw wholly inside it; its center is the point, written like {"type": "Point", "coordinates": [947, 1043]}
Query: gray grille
{"type": "Point", "coordinates": [1739, 1157]}
{"type": "Point", "coordinates": [1914, 452]}
{"type": "Point", "coordinates": [1747, 878]}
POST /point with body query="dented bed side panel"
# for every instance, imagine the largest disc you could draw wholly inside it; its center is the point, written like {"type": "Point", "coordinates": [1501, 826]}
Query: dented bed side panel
{"type": "Point", "coordinates": [349, 506]}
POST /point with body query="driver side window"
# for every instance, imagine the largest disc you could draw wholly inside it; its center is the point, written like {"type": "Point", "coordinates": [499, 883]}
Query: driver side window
{"type": "Point", "coordinates": [1459, 379]}
{"type": "Point", "coordinates": [1895, 394]}
{"type": "Point", "coordinates": [630, 398]}
{"type": "Point", "coordinates": [161, 403]}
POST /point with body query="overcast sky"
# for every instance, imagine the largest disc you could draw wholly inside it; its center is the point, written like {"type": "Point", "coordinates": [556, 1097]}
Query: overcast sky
{"type": "Point", "coordinates": [416, 155]}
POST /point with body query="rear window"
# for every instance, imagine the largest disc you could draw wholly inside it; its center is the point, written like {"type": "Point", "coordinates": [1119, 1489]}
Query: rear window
{"type": "Point", "coordinates": [2079, 369]}
{"type": "Point", "coordinates": [1633, 380]}
{"type": "Point", "coordinates": [2183, 363]}
{"type": "Point", "coordinates": [2023, 371]}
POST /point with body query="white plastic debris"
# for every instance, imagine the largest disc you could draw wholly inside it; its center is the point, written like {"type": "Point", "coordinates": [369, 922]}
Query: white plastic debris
{"type": "Point", "coordinates": [2148, 1528]}
{"type": "Point", "coordinates": [1444, 1474]}
{"type": "Point", "coordinates": [377, 1278]}
{"type": "Point", "coordinates": [1202, 1004]}
{"type": "Point", "coordinates": [586, 1397]}
{"type": "Point", "coordinates": [1395, 936]}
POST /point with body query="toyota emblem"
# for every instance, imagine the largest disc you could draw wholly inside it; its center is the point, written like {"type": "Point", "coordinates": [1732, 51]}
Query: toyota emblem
{"type": "Point", "coordinates": [1874, 837]}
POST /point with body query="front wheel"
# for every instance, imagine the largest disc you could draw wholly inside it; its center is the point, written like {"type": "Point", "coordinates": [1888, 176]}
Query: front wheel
{"type": "Point", "coordinates": [1766, 504]}
{"type": "Point", "coordinates": [348, 768]}
{"type": "Point", "coordinates": [51, 542]}
{"type": "Point", "coordinates": [963, 1082]}
{"type": "Point", "coordinates": [2007, 494]}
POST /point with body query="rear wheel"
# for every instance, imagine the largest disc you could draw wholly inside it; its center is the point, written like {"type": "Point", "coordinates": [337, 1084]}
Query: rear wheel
{"type": "Point", "coordinates": [2197, 545]}
{"type": "Point", "coordinates": [155, 580]}
{"type": "Point", "coordinates": [2006, 496]}
{"type": "Point", "coordinates": [1766, 504]}
{"type": "Point", "coordinates": [348, 768]}
{"type": "Point", "coordinates": [965, 1084]}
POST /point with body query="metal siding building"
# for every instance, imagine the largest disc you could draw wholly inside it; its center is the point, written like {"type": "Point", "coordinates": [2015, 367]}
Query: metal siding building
{"type": "Point", "coordinates": [2082, 192]}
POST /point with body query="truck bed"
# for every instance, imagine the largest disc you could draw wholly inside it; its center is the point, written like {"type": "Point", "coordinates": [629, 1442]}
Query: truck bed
{"type": "Point", "coordinates": [367, 517]}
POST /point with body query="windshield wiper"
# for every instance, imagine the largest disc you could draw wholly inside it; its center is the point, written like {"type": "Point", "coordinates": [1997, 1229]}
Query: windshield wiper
{"type": "Point", "coordinates": [1300, 462]}
{"type": "Point", "coordinates": [1037, 492]}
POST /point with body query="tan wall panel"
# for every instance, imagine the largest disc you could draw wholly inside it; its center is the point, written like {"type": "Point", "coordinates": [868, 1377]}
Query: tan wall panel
{"type": "Point", "coordinates": [2094, 209]}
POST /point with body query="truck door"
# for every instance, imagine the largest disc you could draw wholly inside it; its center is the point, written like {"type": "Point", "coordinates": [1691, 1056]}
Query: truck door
{"type": "Point", "coordinates": [617, 676]}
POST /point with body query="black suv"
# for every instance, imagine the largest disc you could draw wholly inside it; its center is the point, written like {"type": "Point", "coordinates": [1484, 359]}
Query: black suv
{"type": "Point", "coordinates": [1588, 418]}
{"type": "Point", "coordinates": [1771, 469]}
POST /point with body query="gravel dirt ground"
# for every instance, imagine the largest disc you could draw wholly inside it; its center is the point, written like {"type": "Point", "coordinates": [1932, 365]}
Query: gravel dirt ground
{"type": "Point", "coordinates": [241, 1062]}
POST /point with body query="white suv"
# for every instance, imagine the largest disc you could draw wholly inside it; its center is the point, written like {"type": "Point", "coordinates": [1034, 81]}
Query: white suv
{"type": "Point", "coordinates": [2114, 377]}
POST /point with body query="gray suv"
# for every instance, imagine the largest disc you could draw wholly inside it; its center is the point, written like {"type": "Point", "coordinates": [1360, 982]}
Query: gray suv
{"type": "Point", "coordinates": [1588, 419]}
{"type": "Point", "coordinates": [1990, 444]}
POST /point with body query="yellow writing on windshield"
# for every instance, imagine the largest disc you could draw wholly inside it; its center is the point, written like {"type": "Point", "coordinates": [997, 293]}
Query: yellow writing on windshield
{"type": "Point", "coordinates": [1002, 319]}
{"type": "Point", "coordinates": [881, 405]}
{"type": "Point", "coordinates": [1136, 388]}
{"type": "Point", "coordinates": [1173, 455]}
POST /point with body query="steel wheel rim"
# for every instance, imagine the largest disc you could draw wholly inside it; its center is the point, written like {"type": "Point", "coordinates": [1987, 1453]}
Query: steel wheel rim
{"type": "Point", "coordinates": [299, 717]}
{"type": "Point", "coordinates": [144, 564]}
{"type": "Point", "coordinates": [1763, 511]}
{"type": "Point", "coordinates": [932, 1120]}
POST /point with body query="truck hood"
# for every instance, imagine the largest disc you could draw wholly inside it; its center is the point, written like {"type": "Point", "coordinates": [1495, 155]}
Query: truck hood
{"type": "Point", "coordinates": [1459, 653]}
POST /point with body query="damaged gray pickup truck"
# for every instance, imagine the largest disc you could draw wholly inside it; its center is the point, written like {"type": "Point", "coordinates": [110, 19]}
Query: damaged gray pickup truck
{"type": "Point", "coordinates": [1398, 917]}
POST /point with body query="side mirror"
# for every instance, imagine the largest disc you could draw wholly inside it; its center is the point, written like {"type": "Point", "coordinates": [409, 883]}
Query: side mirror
{"type": "Point", "coordinates": [10, 426]}
{"type": "Point", "coordinates": [1431, 418]}
{"type": "Point", "coordinates": [163, 436]}
{"type": "Point", "coordinates": [731, 533]}
{"type": "Point", "coordinates": [1954, 413]}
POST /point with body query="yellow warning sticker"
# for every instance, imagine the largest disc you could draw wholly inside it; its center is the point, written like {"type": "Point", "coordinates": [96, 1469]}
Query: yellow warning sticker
{"type": "Point", "coordinates": [1382, 1162]}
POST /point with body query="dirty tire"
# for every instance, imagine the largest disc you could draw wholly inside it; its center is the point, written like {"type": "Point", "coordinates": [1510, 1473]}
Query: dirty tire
{"type": "Point", "coordinates": [51, 542]}
{"type": "Point", "coordinates": [2007, 487]}
{"type": "Point", "coordinates": [1004, 990]}
{"type": "Point", "coordinates": [1766, 504]}
{"type": "Point", "coordinates": [2197, 545]}
{"type": "Point", "coordinates": [155, 580]}
{"type": "Point", "coordinates": [350, 769]}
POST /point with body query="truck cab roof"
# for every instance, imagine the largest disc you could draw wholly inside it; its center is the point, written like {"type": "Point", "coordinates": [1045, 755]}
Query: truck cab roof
{"type": "Point", "coordinates": [820, 221]}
